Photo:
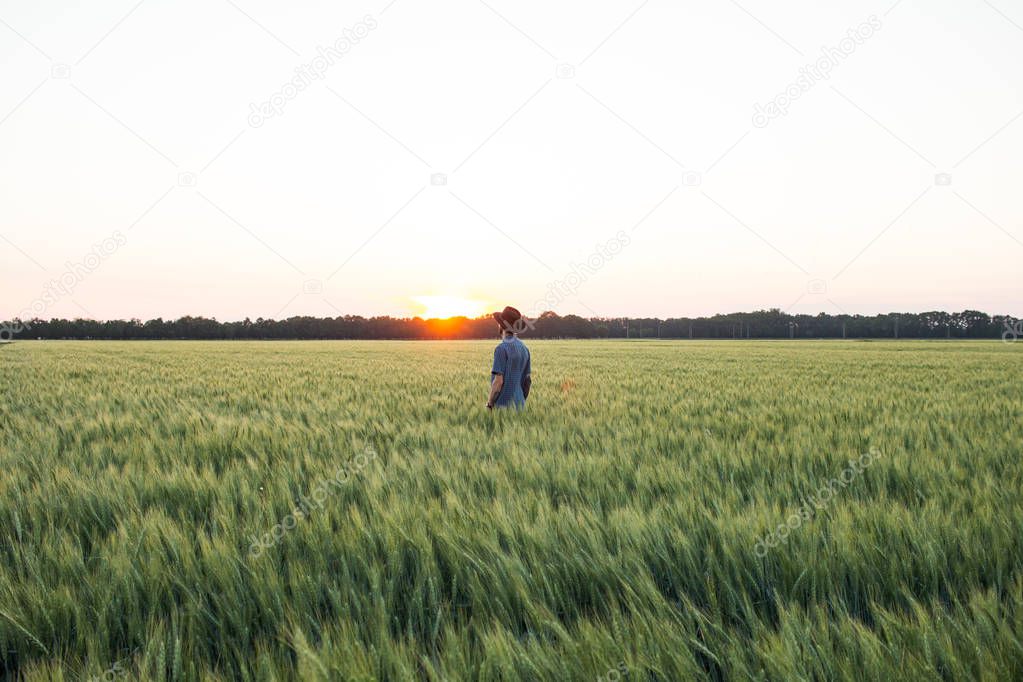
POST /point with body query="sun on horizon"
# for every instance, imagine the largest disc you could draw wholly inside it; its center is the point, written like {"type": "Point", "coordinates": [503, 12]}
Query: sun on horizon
{"type": "Point", "coordinates": [444, 307]}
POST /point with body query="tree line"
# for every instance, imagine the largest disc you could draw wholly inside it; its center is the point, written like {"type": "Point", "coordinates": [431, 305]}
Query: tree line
{"type": "Point", "coordinates": [761, 324]}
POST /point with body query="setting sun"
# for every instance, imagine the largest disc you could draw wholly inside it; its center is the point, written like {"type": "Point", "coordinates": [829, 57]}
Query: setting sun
{"type": "Point", "coordinates": [442, 307]}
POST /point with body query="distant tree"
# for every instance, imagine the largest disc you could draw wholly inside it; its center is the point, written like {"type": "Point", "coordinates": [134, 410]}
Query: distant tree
{"type": "Point", "coordinates": [759, 324]}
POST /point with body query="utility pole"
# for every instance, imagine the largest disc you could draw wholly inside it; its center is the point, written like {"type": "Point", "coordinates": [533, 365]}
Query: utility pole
{"type": "Point", "coordinates": [658, 328]}
{"type": "Point", "coordinates": [896, 326]}
{"type": "Point", "coordinates": [690, 330]}
{"type": "Point", "coordinates": [843, 329]}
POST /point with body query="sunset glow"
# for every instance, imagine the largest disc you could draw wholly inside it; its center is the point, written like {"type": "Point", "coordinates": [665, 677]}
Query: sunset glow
{"type": "Point", "coordinates": [442, 307]}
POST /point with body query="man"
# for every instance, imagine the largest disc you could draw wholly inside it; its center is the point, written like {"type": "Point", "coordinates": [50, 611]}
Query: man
{"type": "Point", "coordinates": [510, 377]}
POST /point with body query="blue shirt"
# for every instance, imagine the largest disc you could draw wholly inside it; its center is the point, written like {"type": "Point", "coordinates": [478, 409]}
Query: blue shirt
{"type": "Point", "coordinates": [511, 358]}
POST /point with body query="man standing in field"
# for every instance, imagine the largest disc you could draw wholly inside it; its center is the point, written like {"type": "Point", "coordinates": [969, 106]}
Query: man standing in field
{"type": "Point", "coordinates": [510, 377]}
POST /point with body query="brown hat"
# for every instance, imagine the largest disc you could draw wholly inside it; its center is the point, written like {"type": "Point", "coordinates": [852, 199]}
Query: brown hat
{"type": "Point", "coordinates": [508, 318]}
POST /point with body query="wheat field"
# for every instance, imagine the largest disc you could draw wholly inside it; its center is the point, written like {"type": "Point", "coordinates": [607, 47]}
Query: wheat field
{"type": "Point", "coordinates": [660, 511]}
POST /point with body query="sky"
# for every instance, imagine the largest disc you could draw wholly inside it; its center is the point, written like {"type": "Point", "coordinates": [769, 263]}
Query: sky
{"type": "Point", "coordinates": [248, 158]}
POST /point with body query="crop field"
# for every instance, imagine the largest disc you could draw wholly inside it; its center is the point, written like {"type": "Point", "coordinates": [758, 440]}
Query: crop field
{"type": "Point", "coordinates": [660, 511]}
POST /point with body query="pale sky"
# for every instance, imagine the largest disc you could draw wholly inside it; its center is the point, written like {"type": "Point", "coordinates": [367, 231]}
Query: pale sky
{"type": "Point", "coordinates": [488, 150]}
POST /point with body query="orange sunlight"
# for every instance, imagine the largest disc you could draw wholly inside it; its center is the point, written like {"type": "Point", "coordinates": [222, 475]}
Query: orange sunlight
{"type": "Point", "coordinates": [442, 307]}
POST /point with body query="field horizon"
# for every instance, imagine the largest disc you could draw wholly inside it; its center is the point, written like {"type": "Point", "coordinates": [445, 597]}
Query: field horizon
{"type": "Point", "coordinates": [758, 324]}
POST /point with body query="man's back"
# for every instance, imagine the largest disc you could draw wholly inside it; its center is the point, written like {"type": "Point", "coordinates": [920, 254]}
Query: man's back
{"type": "Point", "coordinates": [512, 361]}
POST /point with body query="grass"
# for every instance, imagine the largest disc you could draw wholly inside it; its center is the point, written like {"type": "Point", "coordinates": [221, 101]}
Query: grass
{"type": "Point", "coordinates": [608, 532]}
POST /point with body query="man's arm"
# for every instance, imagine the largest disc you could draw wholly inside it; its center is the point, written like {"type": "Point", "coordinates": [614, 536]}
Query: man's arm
{"type": "Point", "coordinates": [527, 379]}
{"type": "Point", "coordinates": [495, 389]}
{"type": "Point", "coordinates": [497, 375]}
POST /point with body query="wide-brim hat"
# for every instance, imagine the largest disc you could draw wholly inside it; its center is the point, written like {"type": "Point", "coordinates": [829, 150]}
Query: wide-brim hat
{"type": "Point", "coordinates": [508, 318]}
